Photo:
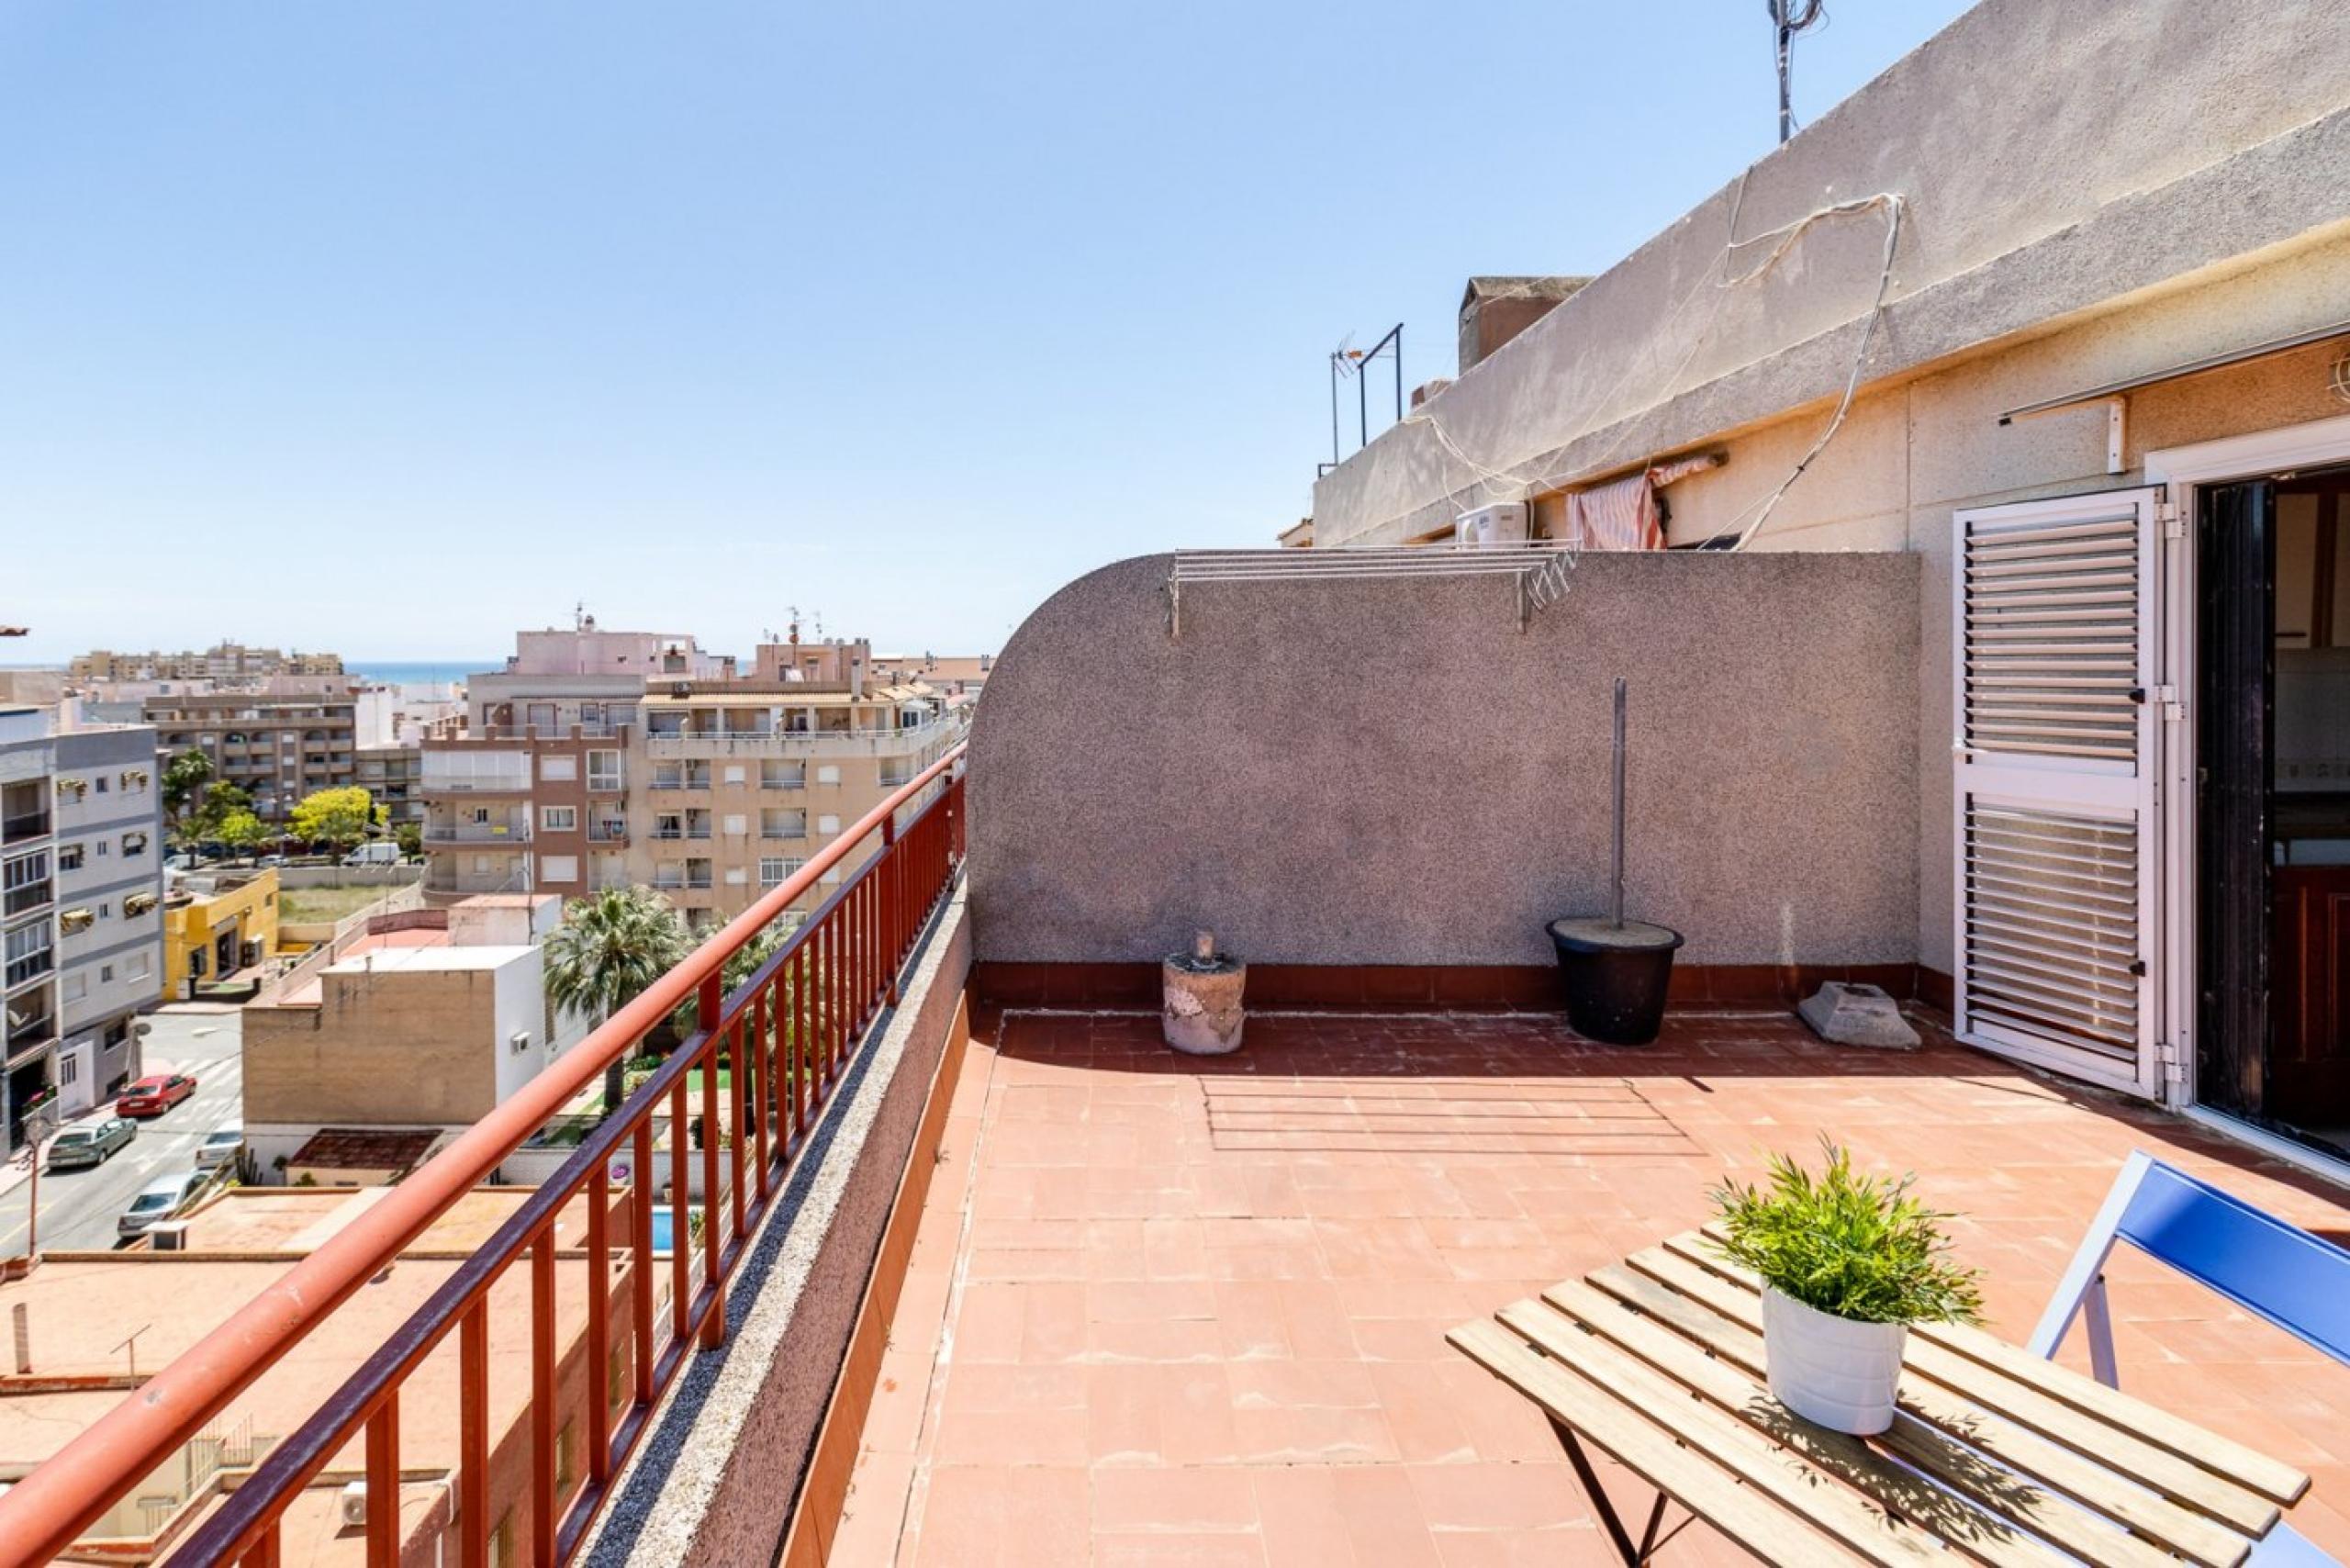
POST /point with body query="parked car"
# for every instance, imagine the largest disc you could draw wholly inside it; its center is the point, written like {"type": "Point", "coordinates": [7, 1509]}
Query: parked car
{"type": "Point", "coordinates": [90, 1143]}
{"type": "Point", "coordinates": [153, 1096]}
{"type": "Point", "coordinates": [159, 1201]}
{"type": "Point", "coordinates": [383, 852]}
{"type": "Point", "coordinates": [219, 1146]}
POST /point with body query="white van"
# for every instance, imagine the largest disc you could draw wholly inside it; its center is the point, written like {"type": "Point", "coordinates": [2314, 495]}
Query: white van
{"type": "Point", "coordinates": [383, 852]}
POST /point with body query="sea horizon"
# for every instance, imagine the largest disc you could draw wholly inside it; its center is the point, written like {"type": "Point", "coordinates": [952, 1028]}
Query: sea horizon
{"type": "Point", "coordinates": [417, 672]}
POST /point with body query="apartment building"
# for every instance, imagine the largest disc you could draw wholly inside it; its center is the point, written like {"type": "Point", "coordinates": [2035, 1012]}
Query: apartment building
{"type": "Point", "coordinates": [81, 890]}
{"type": "Point", "coordinates": [746, 775]}
{"type": "Point", "coordinates": [288, 737]}
{"type": "Point", "coordinates": [538, 767]}
{"type": "Point", "coordinates": [608, 759]}
{"type": "Point", "coordinates": [221, 661]}
{"type": "Point", "coordinates": [393, 777]}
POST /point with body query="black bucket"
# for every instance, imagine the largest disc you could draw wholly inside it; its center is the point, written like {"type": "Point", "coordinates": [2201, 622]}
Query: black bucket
{"type": "Point", "coordinates": [1615, 975]}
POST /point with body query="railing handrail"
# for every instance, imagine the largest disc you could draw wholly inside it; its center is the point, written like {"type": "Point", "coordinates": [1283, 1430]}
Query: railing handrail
{"type": "Point", "coordinates": [41, 1515]}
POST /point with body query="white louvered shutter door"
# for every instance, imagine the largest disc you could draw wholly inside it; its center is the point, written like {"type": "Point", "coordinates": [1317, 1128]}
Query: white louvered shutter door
{"type": "Point", "coordinates": [2054, 770]}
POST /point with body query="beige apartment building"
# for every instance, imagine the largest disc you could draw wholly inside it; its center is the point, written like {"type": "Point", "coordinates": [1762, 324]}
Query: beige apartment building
{"type": "Point", "coordinates": [222, 662]}
{"type": "Point", "coordinates": [604, 759]}
{"type": "Point", "coordinates": [288, 738]}
{"type": "Point", "coordinates": [393, 777]}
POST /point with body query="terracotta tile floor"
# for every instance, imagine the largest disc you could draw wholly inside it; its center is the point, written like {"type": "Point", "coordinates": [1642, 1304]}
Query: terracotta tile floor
{"type": "Point", "coordinates": [1169, 1312]}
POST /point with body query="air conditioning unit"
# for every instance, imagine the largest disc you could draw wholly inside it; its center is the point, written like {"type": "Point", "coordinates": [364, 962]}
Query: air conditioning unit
{"type": "Point", "coordinates": [1493, 527]}
{"type": "Point", "coordinates": [167, 1235]}
{"type": "Point", "coordinates": [354, 1505]}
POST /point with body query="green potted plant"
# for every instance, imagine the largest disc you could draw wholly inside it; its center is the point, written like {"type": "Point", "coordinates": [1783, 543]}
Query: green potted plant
{"type": "Point", "coordinates": [1848, 1262]}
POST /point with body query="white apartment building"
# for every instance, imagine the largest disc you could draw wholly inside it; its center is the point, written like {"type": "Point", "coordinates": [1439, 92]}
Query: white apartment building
{"type": "Point", "coordinates": [81, 895]}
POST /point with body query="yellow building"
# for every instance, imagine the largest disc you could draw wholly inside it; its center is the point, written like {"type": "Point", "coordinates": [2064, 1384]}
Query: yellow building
{"type": "Point", "coordinates": [214, 926]}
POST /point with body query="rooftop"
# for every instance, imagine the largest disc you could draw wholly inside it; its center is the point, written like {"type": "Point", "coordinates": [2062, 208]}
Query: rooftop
{"type": "Point", "coordinates": [1162, 1310]}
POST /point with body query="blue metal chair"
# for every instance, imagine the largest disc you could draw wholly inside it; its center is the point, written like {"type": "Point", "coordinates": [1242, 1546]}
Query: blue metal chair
{"type": "Point", "coordinates": [2277, 1272]}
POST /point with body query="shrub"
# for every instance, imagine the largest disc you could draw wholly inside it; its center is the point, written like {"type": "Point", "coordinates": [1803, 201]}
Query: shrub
{"type": "Point", "coordinates": [1854, 1245]}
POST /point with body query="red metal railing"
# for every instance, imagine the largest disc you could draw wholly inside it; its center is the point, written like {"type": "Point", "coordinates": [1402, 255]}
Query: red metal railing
{"type": "Point", "coordinates": [781, 1040]}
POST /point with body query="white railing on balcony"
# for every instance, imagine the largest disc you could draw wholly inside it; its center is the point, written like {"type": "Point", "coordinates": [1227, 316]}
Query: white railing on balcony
{"type": "Point", "coordinates": [517, 831]}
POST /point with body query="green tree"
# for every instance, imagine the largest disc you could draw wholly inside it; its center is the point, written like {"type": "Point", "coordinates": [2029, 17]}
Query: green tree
{"type": "Point", "coordinates": [410, 838]}
{"type": "Point", "coordinates": [611, 945]}
{"type": "Point", "coordinates": [184, 777]}
{"type": "Point", "coordinates": [339, 817]}
{"type": "Point", "coordinates": [220, 802]}
{"type": "Point", "coordinates": [240, 830]}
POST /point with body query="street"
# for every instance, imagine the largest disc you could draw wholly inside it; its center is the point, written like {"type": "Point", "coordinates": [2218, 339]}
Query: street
{"type": "Point", "coordinates": [78, 1208]}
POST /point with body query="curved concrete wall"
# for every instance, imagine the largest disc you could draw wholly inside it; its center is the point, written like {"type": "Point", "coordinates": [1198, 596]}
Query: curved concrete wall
{"type": "Point", "coordinates": [1386, 771]}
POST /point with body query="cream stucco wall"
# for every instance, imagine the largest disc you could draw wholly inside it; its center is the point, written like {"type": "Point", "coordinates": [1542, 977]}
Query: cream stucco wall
{"type": "Point", "coordinates": [1912, 454]}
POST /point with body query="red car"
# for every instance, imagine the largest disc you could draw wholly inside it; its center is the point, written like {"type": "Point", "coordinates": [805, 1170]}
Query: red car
{"type": "Point", "coordinates": [153, 1096]}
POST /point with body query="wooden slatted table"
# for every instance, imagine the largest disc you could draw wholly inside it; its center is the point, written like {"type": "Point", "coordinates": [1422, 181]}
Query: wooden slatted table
{"type": "Point", "coordinates": [1994, 1453]}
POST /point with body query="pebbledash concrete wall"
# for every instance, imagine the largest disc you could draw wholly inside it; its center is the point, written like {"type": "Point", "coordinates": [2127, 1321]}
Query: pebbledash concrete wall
{"type": "Point", "coordinates": [1387, 771]}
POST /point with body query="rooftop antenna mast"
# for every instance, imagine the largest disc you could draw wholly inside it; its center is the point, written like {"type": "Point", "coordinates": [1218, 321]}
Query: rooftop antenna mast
{"type": "Point", "coordinates": [1789, 18]}
{"type": "Point", "coordinates": [1347, 361]}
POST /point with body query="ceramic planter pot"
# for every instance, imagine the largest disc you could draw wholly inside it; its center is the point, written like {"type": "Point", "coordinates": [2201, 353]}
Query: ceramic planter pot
{"type": "Point", "coordinates": [1832, 1371]}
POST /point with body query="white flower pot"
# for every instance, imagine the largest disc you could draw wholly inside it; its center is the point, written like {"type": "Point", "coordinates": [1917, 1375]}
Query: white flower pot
{"type": "Point", "coordinates": [1830, 1370]}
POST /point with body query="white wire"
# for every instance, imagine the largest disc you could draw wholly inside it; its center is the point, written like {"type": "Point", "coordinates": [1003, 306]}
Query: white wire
{"type": "Point", "coordinates": [1783, 240]}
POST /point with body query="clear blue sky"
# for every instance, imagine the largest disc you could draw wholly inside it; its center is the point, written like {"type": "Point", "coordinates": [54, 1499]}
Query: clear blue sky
{"type": "Point", "coordinates": [391, 327]}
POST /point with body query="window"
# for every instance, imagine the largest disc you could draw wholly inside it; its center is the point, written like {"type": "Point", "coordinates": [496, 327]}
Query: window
{"type": "Point", "coordinates": [68, 1069]}
{"type": "Point", "coordinates": [735, 775]}
{"type": "Point", "coordinates": [737, 876]}
{"type": "Point", "coordinates": [105, 909]}
{"type": "Point", "coordinates": [828, 826]}
{"type": "Point", "coordinates": [559, 819]}
{"type": "Point", "coordinates": [828, 774]}
{"type": "Point", "coordinates": [134, 844]}
{"type": "Point", "coordinates": [77, 985]}
{"type": "Point", "coordinates": [480, 817]}
{"type": "Point", "coordinates": [102, 848]}
{"type": "Point", "coordinates": [560, 769]}
{"type": "Point", "coordinates": [775, 870]}
{"type": "Point", "coordinates": [105, 974]}
{"type": "Point", "coordinates": [501, 1543]}
{"type": "Point", "coordinates": [139, 965]}
{"type": "Point", "coordinates": [603, 770]}
{"type": "Point", "coordinates": [736, 824]}
{"type": "Point", "coordinates": [28, 951]}
{"type": "Point", "coordinates": [558, 868]}
{"type": "Point", "coordinates": [69, 857]}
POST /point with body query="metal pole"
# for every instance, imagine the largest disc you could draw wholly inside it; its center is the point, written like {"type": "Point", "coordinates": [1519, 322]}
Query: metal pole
{"type": "Point", "coordinates": [1617, 903]}
{"type": "Point", "coordinates": [1399, 372]}
{"type": "Point", "coordinates": [1334, 411]}
{"type": "Point", "coordinates": [1787, 105]}
{"type": "Point", "coordinates": [1362, 406]}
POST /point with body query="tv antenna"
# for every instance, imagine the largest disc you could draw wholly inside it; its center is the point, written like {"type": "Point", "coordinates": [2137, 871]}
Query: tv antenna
{"type": "Point", "coordinates": [1789, 18]}
{"type": "Point", "coordinates": [1349, 363]}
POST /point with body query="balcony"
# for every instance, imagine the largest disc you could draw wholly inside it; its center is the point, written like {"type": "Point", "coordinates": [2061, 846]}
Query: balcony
{"type": "Point", "coordinates": [25, 898]}
{"type": "Point", "coordinates": [516, 831]}
{"type": "Point", "coordinates": [24, 825]}
{"type": "Point", "coordinates": [1132, 1305]}
{"type": "Point", "coordinates": [871, 742]}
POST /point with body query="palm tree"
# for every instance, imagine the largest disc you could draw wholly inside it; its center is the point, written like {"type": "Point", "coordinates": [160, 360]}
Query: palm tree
{"type": "Point", "coordinates": [609, 949]}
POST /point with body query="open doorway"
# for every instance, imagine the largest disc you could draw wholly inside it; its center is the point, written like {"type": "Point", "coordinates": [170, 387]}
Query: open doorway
{"type": "Point", "coordinates": [2272, 803]}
